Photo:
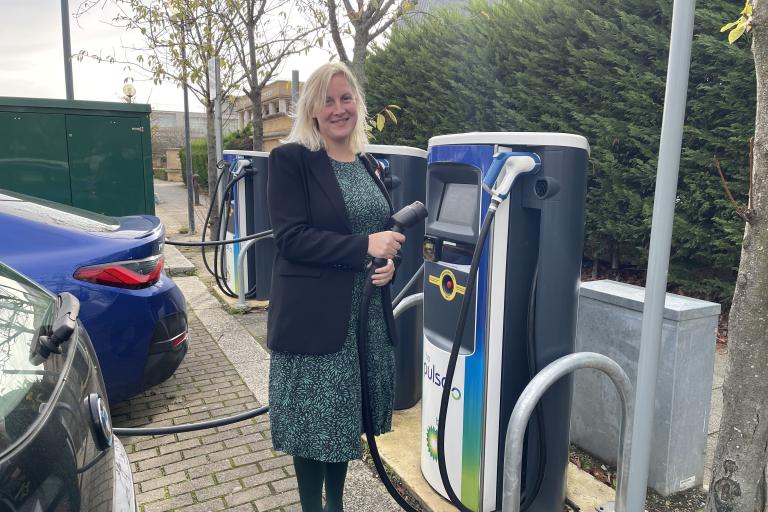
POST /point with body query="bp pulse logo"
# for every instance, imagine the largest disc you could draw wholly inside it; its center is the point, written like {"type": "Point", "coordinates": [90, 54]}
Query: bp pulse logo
{"type": "Point", "coordinates": [433, 376]}
{"type": "Point", "coordinates": [432, 442]}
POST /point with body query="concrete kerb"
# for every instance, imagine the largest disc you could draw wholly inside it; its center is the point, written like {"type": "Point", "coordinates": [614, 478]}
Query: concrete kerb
{"type": "Point", "coordinates": [245, 354]}
{"type": "Point", "coordinates": [176, 264]}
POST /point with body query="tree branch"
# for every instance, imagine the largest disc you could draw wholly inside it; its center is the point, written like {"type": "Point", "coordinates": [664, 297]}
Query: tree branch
{"type": "Point", "coordinates": [335, 34]}
{"type": "Point", "coordinates": [745, 214]}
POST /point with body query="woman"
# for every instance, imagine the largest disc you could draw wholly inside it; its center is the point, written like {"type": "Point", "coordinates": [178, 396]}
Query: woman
{"type": "Point", "coordinates": [330, 214]}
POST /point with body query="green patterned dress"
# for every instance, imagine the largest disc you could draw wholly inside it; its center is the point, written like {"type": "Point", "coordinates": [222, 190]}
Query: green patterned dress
{"type": "Point", "coordinates": [315, 406]}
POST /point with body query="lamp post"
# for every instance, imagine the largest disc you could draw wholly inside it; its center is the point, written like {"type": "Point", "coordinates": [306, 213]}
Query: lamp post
{"type": "Point", "coordinates": [178, 17]}
{"type": "Point", "coordinates": [67, 47]}
{"type": "Point", "coordinates": [129, 91]}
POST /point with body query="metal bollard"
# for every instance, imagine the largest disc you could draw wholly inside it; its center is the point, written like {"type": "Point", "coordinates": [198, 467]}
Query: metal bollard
{"type": "Point", "coordinates": [196, 189]}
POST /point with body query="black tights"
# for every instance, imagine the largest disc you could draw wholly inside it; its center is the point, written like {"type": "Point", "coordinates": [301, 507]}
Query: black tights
{"type": "Point", "coordinates": [310, 475]}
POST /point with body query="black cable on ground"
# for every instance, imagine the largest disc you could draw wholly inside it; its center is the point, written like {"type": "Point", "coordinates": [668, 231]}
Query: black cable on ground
{"type": "Point", "coordinates": [370, 434]}
{"type": "Point", "coordinates": [191, 427]}
{"type": "Point", "coordinates": [470, 288]}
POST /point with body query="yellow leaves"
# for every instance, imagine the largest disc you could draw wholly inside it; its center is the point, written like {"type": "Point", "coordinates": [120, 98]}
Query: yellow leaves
{"type": "Point", "coordinates": [379, 120]}
{"type": "Point", "coordinates": [742, 25]}
{"type": "Point", "coordinates": [736, 33]}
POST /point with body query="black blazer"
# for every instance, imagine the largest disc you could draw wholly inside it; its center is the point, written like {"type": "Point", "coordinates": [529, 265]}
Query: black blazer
{"type": "Point", "coordinates": [317, 254]}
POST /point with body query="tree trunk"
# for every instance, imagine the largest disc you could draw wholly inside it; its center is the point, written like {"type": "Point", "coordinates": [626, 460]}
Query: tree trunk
{"type": "Point", "coordinates": [212, 170]}
{"type": "Point", "coordinates": [615, 256]}
{"type": "Point", "coordinates": [258, 122]}
{"type": "Point", "coordinates": [595, 264]}
{"type": "Point", "coordinates": [739, 470]}
{"type": "Point", "coordinates": [359, 53]}
{"type": "Point", "coordinates": [254, 89]}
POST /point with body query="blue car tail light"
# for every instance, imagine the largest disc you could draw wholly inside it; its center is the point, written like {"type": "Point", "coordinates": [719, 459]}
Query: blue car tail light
{"type": "Point", "coordinates": [133, 274]}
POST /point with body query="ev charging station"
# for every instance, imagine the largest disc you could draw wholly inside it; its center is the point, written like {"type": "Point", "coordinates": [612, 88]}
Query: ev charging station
{"type": "Point", "coordinates": [404, 171]}
{"type": "Point", "coordinates": [522, 313]}
{"type": "Point", "coordinates": [248, 203]}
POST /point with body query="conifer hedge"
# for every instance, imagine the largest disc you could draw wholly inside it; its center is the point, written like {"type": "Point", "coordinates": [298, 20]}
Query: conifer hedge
{"type": "Point", "coordinates": [595, 68]}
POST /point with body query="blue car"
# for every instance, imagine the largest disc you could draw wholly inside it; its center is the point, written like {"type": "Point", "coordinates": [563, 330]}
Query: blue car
{"type": "Point", "coordinates": [134, 313]}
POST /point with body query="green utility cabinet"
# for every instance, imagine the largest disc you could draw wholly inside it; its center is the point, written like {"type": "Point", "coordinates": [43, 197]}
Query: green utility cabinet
{"type": "Point", "coordinates": [92, 155]}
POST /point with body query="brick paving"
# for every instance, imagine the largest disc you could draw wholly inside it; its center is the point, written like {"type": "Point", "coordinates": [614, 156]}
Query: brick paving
{"type": "Point", "coordinates": [228, 468]}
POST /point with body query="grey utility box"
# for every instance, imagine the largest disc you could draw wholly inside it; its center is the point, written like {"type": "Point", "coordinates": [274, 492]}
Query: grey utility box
{"type": "Point", "coordinates": [609, 322]}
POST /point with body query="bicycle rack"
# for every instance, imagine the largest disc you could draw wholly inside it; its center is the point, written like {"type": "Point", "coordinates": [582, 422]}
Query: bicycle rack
{"type": "Point", "coordinates": [518, 421]}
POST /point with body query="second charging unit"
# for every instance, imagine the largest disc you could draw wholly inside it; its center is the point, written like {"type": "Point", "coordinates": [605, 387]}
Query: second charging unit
{"type": "Point", "coordinates": [404, 172]}
{"type": "Point", "coordinates": [522, 314]}
{"type": "Point", "coordinates": [249, 216]}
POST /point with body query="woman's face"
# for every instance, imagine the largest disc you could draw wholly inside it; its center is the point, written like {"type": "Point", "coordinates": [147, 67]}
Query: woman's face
{"type": "Point", "coordinates": [337, 117]}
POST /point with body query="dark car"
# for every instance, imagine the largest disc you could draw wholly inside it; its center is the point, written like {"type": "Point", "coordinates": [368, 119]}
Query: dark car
{"type": "Point", "coordinates": [135, 314]}
{"type": "Point", "coordinates": [57, 451]}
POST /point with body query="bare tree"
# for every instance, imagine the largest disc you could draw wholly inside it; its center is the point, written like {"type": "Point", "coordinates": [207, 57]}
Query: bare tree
{"type": "Point", "coordinates": [165, 27]}
{"type": "Point", "coordinates": [740, 471]}
{"type": "Point", "coordinates": [264, 33]}
{"type": "Point", "coordinates": [365, 21]}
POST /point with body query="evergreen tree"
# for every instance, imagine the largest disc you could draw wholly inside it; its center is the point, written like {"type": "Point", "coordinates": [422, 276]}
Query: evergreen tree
{"type": "Point", "coordinates": [595, 68]}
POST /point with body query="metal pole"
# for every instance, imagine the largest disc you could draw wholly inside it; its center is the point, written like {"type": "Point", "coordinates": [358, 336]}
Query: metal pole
{"type": "Point", "coordinates": [187, 143]}
{"type": "Point", "coordinates": [67, 49]}
{"type": "Point", "coordinates": [661, 239]}
{"type": "Point", "coordinates": [217, 130]}
{"type": "Point", "coordinates": [294, 88]}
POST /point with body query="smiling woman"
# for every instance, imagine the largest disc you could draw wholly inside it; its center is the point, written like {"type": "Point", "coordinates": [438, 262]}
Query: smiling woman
{"type": "Point", "coordinates": [330, 213]}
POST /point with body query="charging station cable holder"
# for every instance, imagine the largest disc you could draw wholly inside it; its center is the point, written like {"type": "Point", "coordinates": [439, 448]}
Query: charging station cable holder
{"type": "Point", "coordinates": [504, 170]}
{"type": "Point", "coordinates": [241, 165]}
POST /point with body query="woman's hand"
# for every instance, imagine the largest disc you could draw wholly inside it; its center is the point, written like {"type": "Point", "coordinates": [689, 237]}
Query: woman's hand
{"type": "Point", "coordinates": [385, 244]}
{"type": "Point", "coordinates": [383, 275]}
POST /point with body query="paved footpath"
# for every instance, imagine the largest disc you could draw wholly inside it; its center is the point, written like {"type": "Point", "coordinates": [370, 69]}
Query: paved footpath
{"type": "Point", "coordinates": [225, 372]}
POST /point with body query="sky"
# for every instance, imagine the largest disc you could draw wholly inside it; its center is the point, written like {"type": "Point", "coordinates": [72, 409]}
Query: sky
{"type": "Point", "coordinates": [32, 58]}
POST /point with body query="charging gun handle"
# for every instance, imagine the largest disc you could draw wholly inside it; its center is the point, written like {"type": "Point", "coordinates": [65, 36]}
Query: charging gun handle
{"type": "Point", "coordinates": [403, 219]}
{"type": "Point", "coordinates": [380, 262]}
{"type": "Point", "coordinates": [499, 159]}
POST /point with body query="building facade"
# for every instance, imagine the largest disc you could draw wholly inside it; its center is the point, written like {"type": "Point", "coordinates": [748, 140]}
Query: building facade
{"type": "Point", "coordinates": [276, 107]}
{"type": "Point", "coordinates": [168, 130]}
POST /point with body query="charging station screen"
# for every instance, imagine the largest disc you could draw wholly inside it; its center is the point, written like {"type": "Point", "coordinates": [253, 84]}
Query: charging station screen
{"type": "Point", "coordinates": [459, 204]}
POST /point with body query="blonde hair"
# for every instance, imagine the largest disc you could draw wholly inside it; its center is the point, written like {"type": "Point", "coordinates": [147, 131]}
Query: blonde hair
{"type": "Point", "coordinates": [304, 130]}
